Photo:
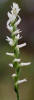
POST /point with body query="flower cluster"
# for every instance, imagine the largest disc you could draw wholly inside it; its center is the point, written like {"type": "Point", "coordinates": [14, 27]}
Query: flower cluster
{"type": "Point", "coordinates": [12, 25]}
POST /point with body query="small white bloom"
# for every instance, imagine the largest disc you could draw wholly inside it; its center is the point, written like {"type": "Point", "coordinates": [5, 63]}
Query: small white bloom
{"type": "Point", "coordinates": [13, 75]}
{"type": "Point", "coordinates": [25, 64]}
{"type": "Point", "coordinates": [8, 38]}
{"type": "Point", "coordinates": [21, 45]}
{"type": "Point", "coordinates": [10, 28]}
{"type": "Point", "coordinates": [17, 31]}
{"type": "Point", "coordinates": [15, 9]}
{"type": "Point", "coordinates": [17, 60]}
{"type": "Point", "coordinates": [10, 54]}
{"type": "Point", "coordinates": [18, 22]}
{"type": "Point", "coordinates": [11, 43]}
{"type": "Point", "coordinates": [21, 81]}
{"type": "Point", "coordinates": [12, 17]}
{"type": "Point", "coordinates": [11, 65]}
{"type": "Point", "coordinates": [18, 37]}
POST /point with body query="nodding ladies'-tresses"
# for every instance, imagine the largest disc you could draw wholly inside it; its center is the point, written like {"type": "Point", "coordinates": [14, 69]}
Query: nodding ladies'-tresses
{"type": "Point", "coordinates": [12, 25]}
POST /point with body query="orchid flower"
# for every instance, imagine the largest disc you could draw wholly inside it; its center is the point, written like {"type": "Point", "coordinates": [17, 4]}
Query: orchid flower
{"type": "Point", "coordinates": [18, 22]}
{"type": "Point", "coordinates": [11, 42]}
{"type": "Point", "coordinates": [15, 9]}
{"type": "Point", "coordinates": [21, 81]}
{"type": "Point", "coordinates": [11, 17]}
{"type": "Point", "coordinates": [10, 54]}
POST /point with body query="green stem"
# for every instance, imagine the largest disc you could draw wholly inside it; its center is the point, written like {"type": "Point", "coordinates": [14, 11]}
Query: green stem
{"type": "Point", "coordinates": [17, 95]}
{"type": "Point", "coordinates": [16, 91]}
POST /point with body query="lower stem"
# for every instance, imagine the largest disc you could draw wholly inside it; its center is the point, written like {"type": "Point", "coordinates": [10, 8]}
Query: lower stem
{"type": "Point", "coordinates": [17, 95]}
{"type": "Point", "coordinates": [16, 91]}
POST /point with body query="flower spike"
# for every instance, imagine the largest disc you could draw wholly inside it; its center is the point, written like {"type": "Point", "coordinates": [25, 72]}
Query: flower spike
{"type": "Point", "coordinates": [12, 25]}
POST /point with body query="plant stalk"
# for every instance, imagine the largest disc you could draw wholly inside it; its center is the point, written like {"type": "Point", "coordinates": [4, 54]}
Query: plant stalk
{"type": "Point", "coordinates": [17, 95]}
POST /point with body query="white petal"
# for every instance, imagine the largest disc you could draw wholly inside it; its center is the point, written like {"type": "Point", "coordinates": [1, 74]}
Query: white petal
{"type": "Point", "coordinates": [21, 81]}
{"type": "Point", "coordinates": [11, 65]}
{"type": "Point", "coordinates": [10, 54]}
{"type": "Point", "coordinates": [8, 38]}
{"type": "Point", "coordinates": [15, 8]}
{"type": "Point", "coordinates": [21, 45]}
{"type": "Point", "coordinates": [16, 60]}
{"type": "Point", "coordinates": [11, 43]}
{"type": "Point", "coordinates": [17, 31]}
{"type": "Point", "coordinates": [10, 28]}
{"type": "Point", "coordinates": [19, 20]}
{"type": "Point", "coordinates": [18, 36]}
{"type": "Point", "coordinates": [13, 75]}
{"type": "Point", "coordinates": [12, 17]}
{"type": "Point", "coordinates": [9, 15]}
{"type": "Point", "coordinates": [15, 5]}
{"type": "Point", "coordinates": [25, 64]}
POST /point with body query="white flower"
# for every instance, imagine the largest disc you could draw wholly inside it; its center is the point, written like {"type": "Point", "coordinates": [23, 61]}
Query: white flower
{"type": "Point", "coordinates": [12, 17]}
{"type": "Point", "coordinates": [10, 28]}
{"type": "Point", "coordinates": [11, 65]}
{"type": "Point", "coordinates": [15, 9]}
{"type": "Point", "coordinates": [21, 45]}
{"type": "Point", "coordinates": [17, 60]}
{"type": "Point", "coordinates": [18, 37]}
{"type": "Point", "coordinates": [8, 38]}
{"type": "Point", "coordinates": [11, 43]}
{"type": "Point", "coordinates": [21, 81]}
{"type": "Point", "coordinates": [10, 54]}
{"type": "Point", "coordinates": [13, 75]}
{"type": "Point", "coordinates": [18, 22]}
{"type": "Point", "coordinates": [25, 64]}
{"type": "Point", "coordinates": [17, 31]}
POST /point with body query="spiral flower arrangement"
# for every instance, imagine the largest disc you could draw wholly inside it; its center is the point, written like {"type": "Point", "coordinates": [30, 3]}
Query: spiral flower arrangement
{"type": "Point", "coordinates": [12, 25]}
